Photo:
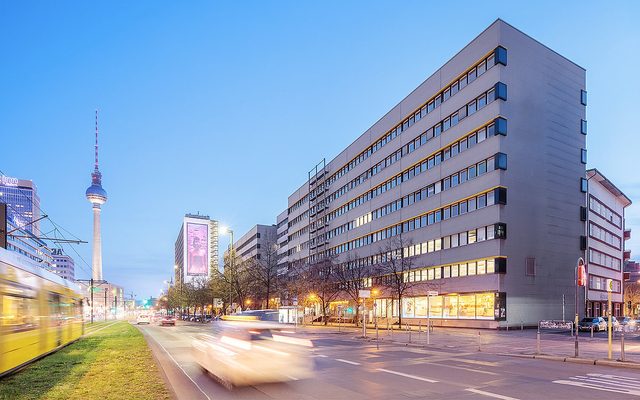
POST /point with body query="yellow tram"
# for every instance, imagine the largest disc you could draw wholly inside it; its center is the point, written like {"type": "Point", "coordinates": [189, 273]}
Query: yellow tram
{"type": "Point", "coordinates": [39, 312]}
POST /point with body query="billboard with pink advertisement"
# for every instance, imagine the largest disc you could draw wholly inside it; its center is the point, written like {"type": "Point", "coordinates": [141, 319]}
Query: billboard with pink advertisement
{"type": "Point", "coordinates": [197, 249]}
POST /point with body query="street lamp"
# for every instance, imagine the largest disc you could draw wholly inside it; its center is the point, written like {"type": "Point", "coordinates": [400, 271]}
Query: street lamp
{"type": "Point", "coordinates": [222, 230]}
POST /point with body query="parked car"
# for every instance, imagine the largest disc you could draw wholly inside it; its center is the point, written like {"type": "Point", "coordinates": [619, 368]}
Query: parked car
{"type": "Point", "coordinates": [629, 324]}
{"type": "Point", "coordinates": [143, 319]}
{"type": "Point", "coordinates": [598, 323]}
{"type": "Point", "coordinates": [167, 320]}
{"type": "Point", "coordinates": [250, 348]}
{"type": "Point", "coordinates": [614, 322]}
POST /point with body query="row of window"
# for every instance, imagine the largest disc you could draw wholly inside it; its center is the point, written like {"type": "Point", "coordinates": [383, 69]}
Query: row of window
{"type": "Point", "coordinates": [496, 127]}
{"type": "Point", "coordinates": [498, 56]}
{"type": "Point", "coordinates": [299, 218]}
{"type": "Point", "coordinates": [600, 283]}
{"type": "Point", "coordinates": [484, 199]}
{"type": "Point", "coordinates": [450, 306]}
{"type": "Point", "coordinates": [495, 231]}
{"type": "Point", "coordinates": [499, 91]}
{"type": "Point", "coordinates": [599, 233]}
{"type": "Point", "coordinates": [605, 212]}
{"type": "Point", "coordinates": [605, 260]}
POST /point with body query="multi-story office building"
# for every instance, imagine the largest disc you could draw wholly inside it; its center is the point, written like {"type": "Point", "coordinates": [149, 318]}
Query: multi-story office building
{"type": "Point", "coordinates": [23, 203]}
{"type": "Point", "coordinates": [196, 248]}
{"type": "Point", "coordinates": [257, 244]}
{"type": "Point", "coordinates": [606, 236]}
{"type": "Point", "coordinates": [479, 172]}
{"type": "Point", "coordinates": [63, 265]}
{"type": "Point", "coordinates": [282, 230]}
{"type": "Point", "coordinates": [28, 244]}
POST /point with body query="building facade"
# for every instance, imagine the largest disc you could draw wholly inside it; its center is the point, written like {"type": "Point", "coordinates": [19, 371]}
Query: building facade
{"type": "Point", "coordinates": [257, 244]}
{"type": "Point", "coordinates": [606, 236]}
{"type": "Point", "coordinates": [23, 203]}
{"type": "Point", "coordinates": [479, 175]}
{"type": "Point", "coordinates": [196, 248]}
{"type": "Point", "coordinates": [63, 265]}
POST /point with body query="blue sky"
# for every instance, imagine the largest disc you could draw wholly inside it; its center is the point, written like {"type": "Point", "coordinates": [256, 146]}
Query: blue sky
{"type": "Point", "coordinates": [223, 107]}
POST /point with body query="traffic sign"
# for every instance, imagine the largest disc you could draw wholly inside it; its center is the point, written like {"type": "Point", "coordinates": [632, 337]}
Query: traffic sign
{"type": "Point", "coordinates": [365, 294]}
{"type": "Point", "coordinates": [432, 292]}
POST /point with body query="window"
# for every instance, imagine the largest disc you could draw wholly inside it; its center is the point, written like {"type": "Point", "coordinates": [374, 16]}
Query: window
{"type": "Point", "coordinates": [530, 266]}
{"type": "Point", "coordinates": [501, 230]}
{"type": "Point", "coordinates": [500, 126]}
{"type": "Point", "coordinates": [500, 91]}
{"type": "Point", "coordinates": [583, 97]}
{"type": "Point", "coordinates": [500, 55]}
{"type": "Point", "coordinates": [583, 127]}
{"type": "Point", "coordinates": [583, 156]}
{"type": "Point", "coordinates": [583, 185]}
{"type": "Point", "coordinates": [500, 161]}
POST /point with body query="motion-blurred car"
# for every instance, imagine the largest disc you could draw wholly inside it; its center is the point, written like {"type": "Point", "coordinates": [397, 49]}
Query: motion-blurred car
{"type": "Point", "coordinates": [629, 324]}
{"type": "Point", "coordinates": [143, 319]}
{"type": "Point", "coordinates": [598, 323]}
{"type": "Point", "coordinates": [167, 320]}
{"type": "Point", "coordinates": [250, 348]}
{"type": "Point", "coordinates": [614, 322]}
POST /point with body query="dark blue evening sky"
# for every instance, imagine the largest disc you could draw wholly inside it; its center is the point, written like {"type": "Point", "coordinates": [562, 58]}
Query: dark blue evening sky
{"type": "Point", "coordinates": [223, 107]}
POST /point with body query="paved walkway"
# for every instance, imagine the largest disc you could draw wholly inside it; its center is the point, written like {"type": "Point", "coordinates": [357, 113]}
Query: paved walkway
{"type": "Point", "coordinates": [518, 342]}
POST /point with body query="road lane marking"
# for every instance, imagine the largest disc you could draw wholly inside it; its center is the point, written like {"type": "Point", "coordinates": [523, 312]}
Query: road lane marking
{"type": "Point", "coordinates": [347, 361]}
{"type": "Point", "coordinates": [320, 355]}
{"type": "Point", "coordinates": [489, 394]}
{"type": "Point", "coordinates": [587, 385]}
{"type": "Point", "coordinates": [179, 366]}
{"type": "Point", "coordinates": [419, 378]}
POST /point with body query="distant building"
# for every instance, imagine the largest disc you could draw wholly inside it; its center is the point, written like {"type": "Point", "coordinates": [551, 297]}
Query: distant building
{"type": "Point", "coordinates": [605, 242]}
{"type": "Point", "coordinates": [255, 243]}
{"type": "Point", "coordinates": [108, 300]}
{"type": "Point", "coordinates": [282, 228]}
{"type": "Point", "coordinates": [196, 248]}
{"type": "Point", "coordinates": [63, 265]}
{"type": "Point", "coordinates": [23, 203]}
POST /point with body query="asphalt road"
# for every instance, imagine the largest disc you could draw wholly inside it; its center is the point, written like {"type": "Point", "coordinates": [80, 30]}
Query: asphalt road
{"type": "Point", "coordinates": [348, 368]}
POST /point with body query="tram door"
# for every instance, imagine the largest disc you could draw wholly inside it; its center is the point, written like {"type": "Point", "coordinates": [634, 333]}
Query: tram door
{"type": "Point", "coordinates": [55, 317]}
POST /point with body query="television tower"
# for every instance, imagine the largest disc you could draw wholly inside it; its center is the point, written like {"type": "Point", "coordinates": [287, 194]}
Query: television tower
{"type": "Point", "coordinates": [96, 196]}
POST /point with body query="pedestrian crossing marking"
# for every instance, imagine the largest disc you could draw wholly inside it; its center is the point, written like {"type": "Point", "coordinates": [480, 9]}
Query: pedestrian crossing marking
{"type": "Point", "coordinates": [605, 382]}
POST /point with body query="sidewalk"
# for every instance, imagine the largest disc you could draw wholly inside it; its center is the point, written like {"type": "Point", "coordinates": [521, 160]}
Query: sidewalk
{"type": "Point", "coordinates": [520, 343]}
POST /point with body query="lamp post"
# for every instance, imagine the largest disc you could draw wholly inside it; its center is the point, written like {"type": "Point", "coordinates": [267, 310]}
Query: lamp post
{"type": "Point", "coordinates": [224, 230]}
{"type": "Point", "coordinates": [581, 278]}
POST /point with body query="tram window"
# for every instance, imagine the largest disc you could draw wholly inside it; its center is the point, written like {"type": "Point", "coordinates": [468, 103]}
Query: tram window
{"type": "Point", "coordinates": [18, 314]}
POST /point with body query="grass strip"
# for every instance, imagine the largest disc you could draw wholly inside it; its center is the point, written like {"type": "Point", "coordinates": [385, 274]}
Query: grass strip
{"type": "Point", "coordinates": [114, 363]}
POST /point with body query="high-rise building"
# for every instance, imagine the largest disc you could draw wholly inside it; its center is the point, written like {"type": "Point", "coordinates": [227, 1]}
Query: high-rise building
{"type": "Point", "coordinates": [23, 203]}
{"type": "Point", "coordinates": [478, 176]}
{"type": "Point", "coordinates": [63, 265]}
{"type": "Point", "coordinates": [606, 235]}
{"type": "Point", "coordinates": [258, 243]}
{"type": "Point", "coordinates": [196, 248]}
{"type": "Point", "coordinates": [97, 196]}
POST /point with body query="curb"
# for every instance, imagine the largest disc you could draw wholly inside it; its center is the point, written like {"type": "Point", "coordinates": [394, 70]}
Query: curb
{"type": "Point", "coordinates": [586, 361]}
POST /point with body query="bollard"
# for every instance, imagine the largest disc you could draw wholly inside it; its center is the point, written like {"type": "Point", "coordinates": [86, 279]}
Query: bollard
{"type": "Point", "coordinates": [538, 342]}
{"type": "Point", "coordinates": [419, 327]}
{"type": "Point", "coordinates": [409, 332]}
{"type": "Point", "coordinates": [622, 346]}
{"type": "Point", "coordinates": [428, 335]}
{"type": "Point", "coordinates": [591, 330]}
{"type": "Point", "coordinates": [522, 325]}
{"type": "Point", "coordinates": [479, 341]}
{"type": "Point", "coordinates": [377, 338]}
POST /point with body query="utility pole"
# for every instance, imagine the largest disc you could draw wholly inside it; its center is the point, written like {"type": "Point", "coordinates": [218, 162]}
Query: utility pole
{"type": "Point", "coordinates": [105, 304]}
{"type": "Point", "coordinates": [91, 290]}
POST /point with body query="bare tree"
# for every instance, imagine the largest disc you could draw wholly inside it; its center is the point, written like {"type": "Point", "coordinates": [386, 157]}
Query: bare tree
{"type": "Point", "coordinates": [632, 294]}
{"type": "Point", "coordinates": [394, 269]}
{"type": "Point", "coordinates": [320, 284]}
{"type": "Point", "coordinates": [265, 270]}
{"type": "Point", "coordinates": [350, 277]}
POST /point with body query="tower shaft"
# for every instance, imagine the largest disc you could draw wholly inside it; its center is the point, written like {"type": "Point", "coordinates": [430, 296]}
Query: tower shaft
{"type": "Point", "coordinates": [96, 270]}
